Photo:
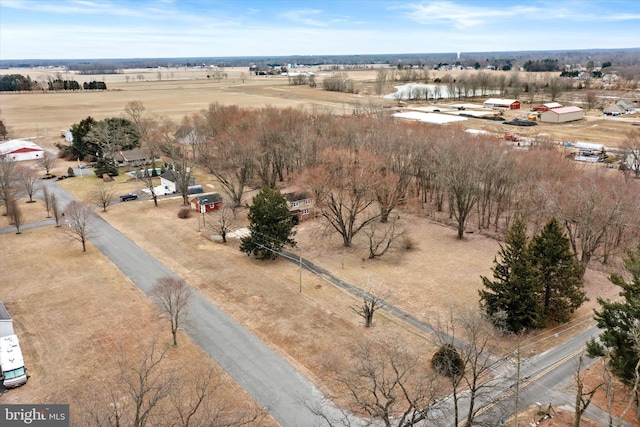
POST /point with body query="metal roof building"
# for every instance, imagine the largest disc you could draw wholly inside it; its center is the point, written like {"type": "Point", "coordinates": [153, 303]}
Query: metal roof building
{"type": "Point", "coordinates": [562, 115]}
{"type": "Point", "coordinates": [20, 149]}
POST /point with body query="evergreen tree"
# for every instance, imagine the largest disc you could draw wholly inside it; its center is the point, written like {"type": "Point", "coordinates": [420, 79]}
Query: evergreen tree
{"type": "Point", "coordinates": [270, 224]}
{"type": "Point", "coordinates": [620, 322]}
{"type": "Point", "coordinates": [557, 273]}
{"type": "Point", "coordinates": [105, 165]}
{"type": "Point", "coordinates": [79, 147]}
{"type": "Point", "coordinates": [510, 300]}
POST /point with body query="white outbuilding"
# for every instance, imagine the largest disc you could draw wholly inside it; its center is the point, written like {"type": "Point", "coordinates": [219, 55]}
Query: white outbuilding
{"type": "Point", "coordinates": [562, 115]}
{"type": "Point", "coordinates": [20, 149]}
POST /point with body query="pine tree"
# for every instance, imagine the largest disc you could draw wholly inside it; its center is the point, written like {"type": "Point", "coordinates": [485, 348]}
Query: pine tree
{"type": "Point", "coordinates": [510, 300]}
{"type": "Point", "coordinates": [557, 273]}
{"type": "Point", "coordinates": [620, 322]}
{"type": "Point", "coordinates": [270, 224]}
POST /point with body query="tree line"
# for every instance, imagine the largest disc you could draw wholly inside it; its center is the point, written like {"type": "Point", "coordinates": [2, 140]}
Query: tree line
{"type": "Point", "coordinates": [20, 83]}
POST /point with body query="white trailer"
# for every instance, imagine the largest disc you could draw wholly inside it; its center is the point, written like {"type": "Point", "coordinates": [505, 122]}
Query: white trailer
{"type": "Point", "coordinates": [14, 373]}
{"type": "Point", "coordinates": [6, 323]}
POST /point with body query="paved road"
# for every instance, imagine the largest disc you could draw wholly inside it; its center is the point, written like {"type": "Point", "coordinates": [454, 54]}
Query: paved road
{"type": "Point", "coordinates": [267, 377]}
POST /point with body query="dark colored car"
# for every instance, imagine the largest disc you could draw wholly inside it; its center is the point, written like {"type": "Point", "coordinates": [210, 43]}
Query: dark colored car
{"type": "Point", "coordinates": [128, 196]}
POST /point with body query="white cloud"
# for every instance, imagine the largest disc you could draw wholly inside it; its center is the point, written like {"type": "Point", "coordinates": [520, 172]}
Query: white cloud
{"type": "Point", "coordinates": [304, 17]}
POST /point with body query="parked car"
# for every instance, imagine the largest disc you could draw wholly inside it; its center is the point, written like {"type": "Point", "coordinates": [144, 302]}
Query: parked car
{"type": "Point", "coordinates": [128, 196]}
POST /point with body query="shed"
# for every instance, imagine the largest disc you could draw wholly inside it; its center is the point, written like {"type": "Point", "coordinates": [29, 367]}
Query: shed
{"type": "Point", "coordinates": [562, 115]}
{"type": "Point", "coordinates": [509, 104]}
{"type": "Point", "coordinates": [206, 202]}
{"type": "Point", "coordinates": [548, 106]}
{"type": "Point", "coordinates": [20, 149]}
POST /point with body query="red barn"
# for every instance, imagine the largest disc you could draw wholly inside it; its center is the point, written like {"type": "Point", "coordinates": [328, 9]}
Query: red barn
{"type": "Point", "coordinates": [548, 106]}
{"type": "Point", "coordinates": [509, 104]}
{"type": "Point", "coordinates": [206, 202]}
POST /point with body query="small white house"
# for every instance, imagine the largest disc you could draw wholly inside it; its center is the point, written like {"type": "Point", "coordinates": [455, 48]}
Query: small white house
{"type": "Point", "coordinates": [20, 149]}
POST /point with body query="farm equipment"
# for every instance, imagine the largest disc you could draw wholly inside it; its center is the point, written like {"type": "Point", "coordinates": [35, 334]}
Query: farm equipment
{"type": "Point", "coordinates": [511, 137]}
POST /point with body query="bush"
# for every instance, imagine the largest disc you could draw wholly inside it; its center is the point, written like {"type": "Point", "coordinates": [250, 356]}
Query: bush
{"type": "Point", "coordinates": [409, 243]}
{"type": "Point", "coordinates": [70, 172]}
{"type": "Point", "coordinates": [184, 213]}
{"type": "Point", "coordinates": [447, 361]}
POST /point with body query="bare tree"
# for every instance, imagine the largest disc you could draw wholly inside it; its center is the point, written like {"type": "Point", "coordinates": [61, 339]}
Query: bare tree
{"type": "Point", "coordinates": [381, 79]}
{"type": "Point", "coordinates": [631, 149]}
{"type": "Point", "coordinates": [591, 206]}
{"type": "Point", "coordinates": [146, 382]}
{"type": "Point", "coordinates": [8, 172]}
{"type": "Point", "coordinates": [150, 133]}
{"type": "Point", "coordinates": [344, 197]}
{"type": "Point", "coordinates": [374, 297]}
{"type": "Point", "coordinates": [201, 400]}
{"type": "Point", "coordinates": [46, 197]}
{"type": "Point", "coordinates": [583, 398]}
{"type": "Point", "coordinates": [48, 162]}
{"type": "Point", "coordinates": [460, 175]}
{"type": "Point", "coordinates": [383, 237]}
{"type": "Point", "coordinates": [555, 86]}
{"type": "Point", "coordinates": [149, 390]}
{"type": "Point", "coordinates": [475, 341]}
{"type": "Point", "coordinates": [16, 213]}
{"type": "Point", "coordinates": [102, 195]}
{"type": "Point", "coordinates": [29, 181]}
{"type": "Point", "coordinates": [79, 218]}
{"type": "Point", "coordinates": [590, 100]}
{"type": "Point", "coordinates": [230, 155]}
{"type": "Point", "coordinates": [55, 208]}
{"type": "Point", "coordinates": [173, 296]}
{"type": "Point", "coordinates": [386, 382]}
{"type": "Point", "coordinates": [181, 160]}
{"type": "Point", "coordinates": [222, 221]}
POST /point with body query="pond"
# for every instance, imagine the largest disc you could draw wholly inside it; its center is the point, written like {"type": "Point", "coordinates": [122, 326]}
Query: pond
{"type": "Point", "coordinates": [427, 91]}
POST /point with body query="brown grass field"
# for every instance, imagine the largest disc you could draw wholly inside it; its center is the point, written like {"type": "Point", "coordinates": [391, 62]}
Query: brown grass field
{"type": "Point", "coordinates": [73, 310]}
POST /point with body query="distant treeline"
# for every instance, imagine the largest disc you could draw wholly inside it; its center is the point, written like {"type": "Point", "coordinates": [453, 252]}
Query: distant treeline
{"type": "Point", "coordinates": [20, 83]}
{"type": "Point", "coordinates": [618, 57]}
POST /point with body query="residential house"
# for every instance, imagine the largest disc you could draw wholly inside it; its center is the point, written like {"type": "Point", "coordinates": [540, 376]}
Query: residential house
{"type": "Point", "coordinates": [301, 205]}
{"type": "Point", "coordinates": [135, 157]}
{"type": "Point", "coordinates": [169, 182]}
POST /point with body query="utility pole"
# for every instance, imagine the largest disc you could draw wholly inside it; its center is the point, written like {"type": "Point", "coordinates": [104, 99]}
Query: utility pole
{"type": "Point", "coordinates": [300, 265]}
{"type": "Point", "coordinates": [515, 421]}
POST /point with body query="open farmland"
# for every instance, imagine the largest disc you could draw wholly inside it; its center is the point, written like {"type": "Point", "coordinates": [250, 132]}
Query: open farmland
{"type": "Point", "coordinates": [183, 91]}
{"type": "Point", "coordinates": [302, 326]}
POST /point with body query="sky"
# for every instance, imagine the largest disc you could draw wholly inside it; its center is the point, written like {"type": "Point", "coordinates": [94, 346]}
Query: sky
{"type": "Point", "coordinates": [91, 29]}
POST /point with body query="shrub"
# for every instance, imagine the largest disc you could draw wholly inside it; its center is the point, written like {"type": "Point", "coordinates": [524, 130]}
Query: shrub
{"type": "Point", "coordinates": [409, 243]}
{"type": "Point", "coordinates": [447, 361]}
{"type": "Point", "coordinates": [70, 172]}
{"type": "Point", "coordinates": [184, 213]}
